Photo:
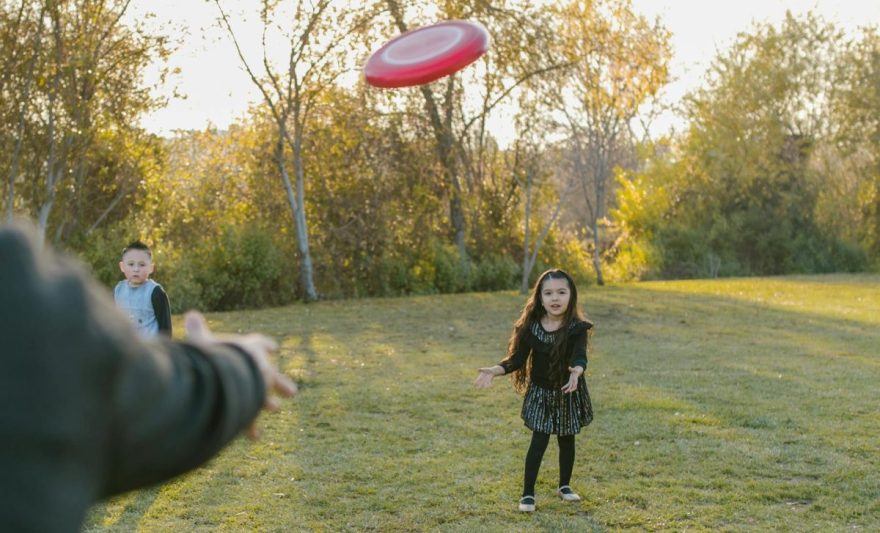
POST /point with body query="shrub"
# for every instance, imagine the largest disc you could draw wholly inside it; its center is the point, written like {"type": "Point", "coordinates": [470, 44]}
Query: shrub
{"type": "Point", "coordinates": [393, 276]}
{"type": "Point", "coordinates": [243, 269]}
{"type": "Point", "coordinates": [179, 278]}
{"type": "Point", "coordinates": [570, 255]}
{"type": "Point", "coordinates": [101, 250]}
{"type": "Point", "coordinates": [495, 273]}
{"type": "Point", "coordinates": [451, 273]}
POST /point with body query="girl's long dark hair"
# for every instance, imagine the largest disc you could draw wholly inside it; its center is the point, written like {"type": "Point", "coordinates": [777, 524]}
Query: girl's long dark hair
{"type": "Point", "coordinates": [532, 312]}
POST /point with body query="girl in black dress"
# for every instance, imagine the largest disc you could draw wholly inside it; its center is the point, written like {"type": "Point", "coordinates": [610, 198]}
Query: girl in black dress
{"type": "Point", "coordinates": [547, 355]}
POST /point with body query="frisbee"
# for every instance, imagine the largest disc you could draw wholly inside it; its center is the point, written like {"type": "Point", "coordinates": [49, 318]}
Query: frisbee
{"type": "Point", "coordinates": [426, 54]}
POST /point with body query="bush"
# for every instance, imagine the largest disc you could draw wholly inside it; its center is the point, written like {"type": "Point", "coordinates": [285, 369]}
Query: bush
{"type": "Point", "coordinates": [496, 273]}
{"type": "Point", "coordinates": [394, 276]}
{"type": "Point", "coordinates": [451, 273]}
{"type": "Point", "coordinates": [634, 261]}
{"type": "Point", "coordinates": [570, 255]}
{"type": "Point", "coordinates": [179, 278]}
{"type": "Point", "coordinates": [242, 269]}
{"type": "Point", "coordinates": [101, 250]}
{"type": "Point", "coordinates": [245, 267]}
{"type": "Point", "coordinates": [440, 270]}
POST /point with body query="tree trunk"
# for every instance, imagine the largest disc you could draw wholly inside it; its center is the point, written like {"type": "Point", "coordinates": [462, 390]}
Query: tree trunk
{"type": "Point", "coordinates": [531, 256]}
{"type": "Point", "coordinates": [527, 264]}
{"type": "Point", "coordinates": [597, 263]}
{"type": "Point", "coordinates": [601, 175]}
{"type": "Point", "coordinates": [123, 191]}
{"type": "Point", "coordinates": [16, 157]}
{"type": "Point", "coordinates": [445, 140]}
{"type": "Point", "coordinates": [302, 230]}
{"type": "Point", "coordinates": [295, 199]}
{"type": "Point", "coordinates": [16, 154]}
{"type": "Point", "coordinates": [46, 207]}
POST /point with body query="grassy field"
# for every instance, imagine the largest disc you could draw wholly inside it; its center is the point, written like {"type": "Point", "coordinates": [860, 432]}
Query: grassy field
{"type": "Point", "coordinates": [726, 405]}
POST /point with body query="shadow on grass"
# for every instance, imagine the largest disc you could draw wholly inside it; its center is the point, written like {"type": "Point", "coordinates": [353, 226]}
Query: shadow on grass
{"type": "Point", "coordinates": [702, 399]}
{"type": "Point", "coordinates": [124, 512]}
{"type": "Point", "coordinates": [731, 405]}
{"type": "Point", "coordinates": [765, 402]}
{"type": "Point", "coordinates": [715, 350]}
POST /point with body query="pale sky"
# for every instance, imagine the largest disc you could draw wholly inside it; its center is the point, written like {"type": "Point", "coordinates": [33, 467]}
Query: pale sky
{"type": "Point", "coordinates": [218, 90]}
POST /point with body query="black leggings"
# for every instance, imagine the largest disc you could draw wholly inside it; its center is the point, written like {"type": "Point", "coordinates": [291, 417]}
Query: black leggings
{"type": "Point", "coordinates": [536, 453]}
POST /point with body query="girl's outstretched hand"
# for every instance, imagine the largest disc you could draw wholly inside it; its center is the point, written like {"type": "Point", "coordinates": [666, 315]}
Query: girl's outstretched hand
{"type": "Point", "coordinates": [572, 385]}
{"type": "Point", "coordinates": [484, 378]}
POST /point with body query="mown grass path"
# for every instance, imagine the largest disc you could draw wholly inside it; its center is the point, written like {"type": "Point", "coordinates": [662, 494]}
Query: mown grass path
{"type": "Point", "coordinates": [729, 405]}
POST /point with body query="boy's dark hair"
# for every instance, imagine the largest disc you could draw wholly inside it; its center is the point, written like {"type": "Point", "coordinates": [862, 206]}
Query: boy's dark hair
{"type": "Point", "coordinates": [138, 245]}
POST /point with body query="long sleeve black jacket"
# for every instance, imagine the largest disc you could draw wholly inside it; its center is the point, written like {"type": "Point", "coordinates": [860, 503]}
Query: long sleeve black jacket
{"type": "Point", "coordinates": [538, 343]}
{"type": "Point", "coordinates": [87, 409]}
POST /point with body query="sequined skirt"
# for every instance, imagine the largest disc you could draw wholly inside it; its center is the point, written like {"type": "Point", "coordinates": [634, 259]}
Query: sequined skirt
{"type": "Point", "coordinates": [555, 412]}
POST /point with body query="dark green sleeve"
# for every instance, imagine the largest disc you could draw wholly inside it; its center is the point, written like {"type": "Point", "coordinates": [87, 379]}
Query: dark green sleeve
{"type": "Point", "coordinates": [176, 405]}
{"type": "Point", "coordinates": [518, 358]}
{"type": "Point", "coordinates": [579, 337]}
{"type": "Point", "coordinates": [162, 310]}
{"type": "Point", "coordinates": [87, 408]}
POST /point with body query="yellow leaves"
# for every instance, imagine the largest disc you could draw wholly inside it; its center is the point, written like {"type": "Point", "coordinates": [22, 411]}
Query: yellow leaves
{"type": "Point", "coordinates": [620, 58]}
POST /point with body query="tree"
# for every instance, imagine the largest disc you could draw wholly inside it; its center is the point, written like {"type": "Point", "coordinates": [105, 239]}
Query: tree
{"type": "Point", "coordinates": [753, 134]}
{"type": "Point", "coordinates": [853, 156]}
{"type": "Point", "coordinates": [21, 32]}
{"type": "Point", "coordinates": [741, 189]}
{"type": "Point", "coordinates": [534, 164]}
{"type": "Point", "coordinates": [76, 91]}
{"type": "Point", "coordinates": [377, 205]}
{"type": "Point", "coordinates": [617, 61]}
{"type": "Point", "coordinates": [316, 38]}
{"type": "Point", "coordinates": [458, 126]}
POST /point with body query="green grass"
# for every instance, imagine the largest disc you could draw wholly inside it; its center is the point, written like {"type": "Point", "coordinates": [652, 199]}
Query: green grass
{"type": "Point", "coordinates": [726, 405]}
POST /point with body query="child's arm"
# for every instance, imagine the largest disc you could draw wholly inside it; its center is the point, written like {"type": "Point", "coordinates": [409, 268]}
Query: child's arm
{"type": "Point", "coordinates": [579, 352]}
{"type": "Point", "coordinates": [518, 358]}
{"type": "Point", "coordinates": [574, 373]}
{"type": "Point", "coordinates": [162, 310]}
{"type": "Point", "coordinates": [578, 361]}
{"type": "Point", "coordinates": [484, 378]}
{"type": "Point", "coordinates": [510, 364]}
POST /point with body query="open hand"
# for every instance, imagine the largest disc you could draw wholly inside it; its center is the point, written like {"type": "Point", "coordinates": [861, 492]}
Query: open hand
{"type": "Point", "coordinates": [484, 378]}
{"type": "Point", "coordinates": [574, 374]}
{"type": "Point", "coordinates": [258, 347]}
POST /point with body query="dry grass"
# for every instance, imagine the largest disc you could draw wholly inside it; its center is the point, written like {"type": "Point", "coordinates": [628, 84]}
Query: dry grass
{"type": "Point", "coordinates": [728, 405]}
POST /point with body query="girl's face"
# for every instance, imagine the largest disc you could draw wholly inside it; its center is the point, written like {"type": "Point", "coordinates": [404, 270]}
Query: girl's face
{"type": "Point", "coordinates": [555, 294]}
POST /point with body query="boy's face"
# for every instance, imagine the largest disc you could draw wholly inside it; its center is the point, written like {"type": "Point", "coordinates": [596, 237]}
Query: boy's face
{"type": "Point", "coordinates": [137, 267]}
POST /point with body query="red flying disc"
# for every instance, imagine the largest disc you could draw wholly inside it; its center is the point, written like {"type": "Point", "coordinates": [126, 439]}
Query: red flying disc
{"type": "Point", "coordinates": [426, 54]}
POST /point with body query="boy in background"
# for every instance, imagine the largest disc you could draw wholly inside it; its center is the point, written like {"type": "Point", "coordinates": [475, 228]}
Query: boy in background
{"type": "Point", "coordinates": [142, 299]}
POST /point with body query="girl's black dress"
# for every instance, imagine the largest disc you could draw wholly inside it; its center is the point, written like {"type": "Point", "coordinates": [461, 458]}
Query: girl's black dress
{"type": "Point", "coordinates": [546, 408]}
